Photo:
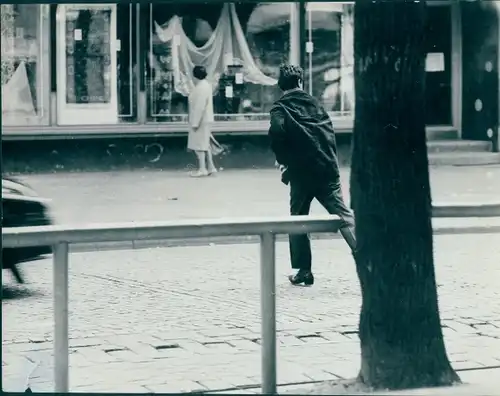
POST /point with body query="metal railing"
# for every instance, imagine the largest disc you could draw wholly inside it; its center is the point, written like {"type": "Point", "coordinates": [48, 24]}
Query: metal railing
{"type": "Point", "coordinates": [60, 237]}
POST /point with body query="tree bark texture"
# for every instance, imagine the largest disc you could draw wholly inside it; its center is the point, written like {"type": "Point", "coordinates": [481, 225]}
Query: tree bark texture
{"type": "Point", "coordinates": [401, 338]}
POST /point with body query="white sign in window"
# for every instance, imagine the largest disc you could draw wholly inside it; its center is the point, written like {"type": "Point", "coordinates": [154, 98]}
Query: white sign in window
{"type": "Point", "coordinates": [434, 62]}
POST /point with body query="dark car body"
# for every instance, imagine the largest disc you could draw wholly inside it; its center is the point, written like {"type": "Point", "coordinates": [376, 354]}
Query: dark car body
{"type": "Point", "coordinates": [21, 207]}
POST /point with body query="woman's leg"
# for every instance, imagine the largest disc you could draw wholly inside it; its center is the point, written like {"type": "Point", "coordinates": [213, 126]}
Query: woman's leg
{"type": "Point", "coordinates": [202, 169]}
{"type": "Point", "coordinates": [201, 161]}
{"type": "Point", "coordinates": [210, 162]}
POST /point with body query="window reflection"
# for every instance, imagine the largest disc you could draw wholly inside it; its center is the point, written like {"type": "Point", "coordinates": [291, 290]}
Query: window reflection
{"type": "Point", "coordinates": [23, 88]}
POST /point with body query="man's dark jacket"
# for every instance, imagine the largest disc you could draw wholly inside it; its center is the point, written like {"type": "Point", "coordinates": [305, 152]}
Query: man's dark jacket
{"type": "Point", "coordinates": [303, 138]}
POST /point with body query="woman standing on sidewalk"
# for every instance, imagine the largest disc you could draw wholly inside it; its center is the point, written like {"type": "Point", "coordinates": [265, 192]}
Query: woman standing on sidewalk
{"type": "Point", "coordinates": [201, 117]}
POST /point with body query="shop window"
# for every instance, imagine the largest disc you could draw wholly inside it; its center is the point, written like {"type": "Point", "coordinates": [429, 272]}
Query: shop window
{"type": "Point", "coordinates": [329, 74]}
{"type": "Point", "coordinates": [96, 60]}
{"type": "Point", "coordinates": [241, 46]}
{"type": "Point", "coordinates": [25, 88]}
{"type": "Point", "coordinates": [330, 58]}
{"type": "Point", "coordinates": [438, 65]}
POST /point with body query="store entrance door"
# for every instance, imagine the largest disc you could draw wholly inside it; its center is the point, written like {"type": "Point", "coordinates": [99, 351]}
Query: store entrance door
{"type": "Point", "coordinates": [87, 64]}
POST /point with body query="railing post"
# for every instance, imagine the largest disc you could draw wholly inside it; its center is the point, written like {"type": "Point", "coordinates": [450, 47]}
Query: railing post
{"type": "Point", "coordinates": [61, 332]}
{"type": "Point", "coordinates": [268, 311]}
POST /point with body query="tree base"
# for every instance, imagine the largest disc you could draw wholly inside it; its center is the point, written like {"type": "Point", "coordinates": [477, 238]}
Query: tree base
{"type": "Point", "coordinates": [340, 387]}
{"type": "Point", "coordinates": [406, 377]}
{"type": "Point", "coordinates": [345, 387]}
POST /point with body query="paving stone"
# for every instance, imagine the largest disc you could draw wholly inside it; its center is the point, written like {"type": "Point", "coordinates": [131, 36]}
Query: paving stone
{"type": "Point", "coordinates": [333, 336]}
{"type": "Point", "coordinates": [290, 340]}
{"type": "Point", "coordinates": [319, 375]}
{"type": "Point", "coordinates": [344, 369]}
{"type": "Point", "coordinates": [287, 376]}
{"type": "Point", "coordinates": [244, 345]}
{"type": "Point", "coordinates": [480, 376]}
{"type": "Point", "coordinates": [129, 356]}
{"type": "Point", "coordinates": [176, 387]}
{"type": "Point", "coordinates": [90, 342]}
{"type": "Point", "coordinates": [483, 360]}
{"type": "Point", "coordinates": [240, 392]}
{"type": "Point", "coordinates": [466, 365]}
{"type": "Point", "coordinates": [461, 328]}
{"type": "Point", "coordinates": [96, 355]}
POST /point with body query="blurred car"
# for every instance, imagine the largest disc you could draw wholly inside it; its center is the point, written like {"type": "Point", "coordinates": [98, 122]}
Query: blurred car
{"type": "Point", "coordinates": [22, 207]}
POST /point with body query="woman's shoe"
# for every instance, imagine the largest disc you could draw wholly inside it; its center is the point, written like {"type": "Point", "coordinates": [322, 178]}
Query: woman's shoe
{"type": "Point", "coordinates": [302, 277]}
{"type": "Point", "coordinates": [212, 171]}
{"type": "Point", "coordinates": [199, 173]}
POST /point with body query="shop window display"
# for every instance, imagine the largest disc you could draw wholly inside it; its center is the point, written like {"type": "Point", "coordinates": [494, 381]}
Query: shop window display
{"type": "Point", "coordinates": [24, 56]}
{"type": "Point", "coordinates": [329, 71]}
{"type": "Point", "coordinates": [96, 49]}
{"type": "Point", "coordinates": [88, 57]}
{"type": "Point", "coordinates": [239, 48]}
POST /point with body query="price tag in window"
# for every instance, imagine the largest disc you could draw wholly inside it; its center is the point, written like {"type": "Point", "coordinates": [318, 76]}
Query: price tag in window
{"type": "Point", "coordinates": [309, 47]}
{"type": "Point", "coordinates": [118, 45]}
{"type": "Point", "coordinates": [78, 34]}
{"type": "Point", "coordinates": [238, 78]}
{"type": "Point", "coordinates": [229, 91]}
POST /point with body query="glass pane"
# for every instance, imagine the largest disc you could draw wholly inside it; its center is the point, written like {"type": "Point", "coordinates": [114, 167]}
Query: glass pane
{"type": "Point", "coordinates": [240, 45]}
{"type": "Point", "coordinates": [24, 93]}
{"type": "Point", "coordinates": [438, 76]}
{"type": "Point", "coordinates": [268, 35]}
{"type": "Point", "coordinates": [164, 103]}
{"type": "Point", "coordinates": [127, 62]}
{"type": "Point", "coordinates": [88, 56]}
{"type": "Point", "coordinates": [330, 56]}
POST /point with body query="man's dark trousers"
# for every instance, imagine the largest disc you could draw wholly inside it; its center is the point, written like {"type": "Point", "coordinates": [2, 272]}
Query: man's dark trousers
{"type": "Point", "coordinates": [329, 195]}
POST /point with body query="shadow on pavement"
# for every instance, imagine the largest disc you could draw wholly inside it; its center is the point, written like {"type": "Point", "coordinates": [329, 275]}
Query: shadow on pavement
{"type": "Point", "coordinates": [18, 292]}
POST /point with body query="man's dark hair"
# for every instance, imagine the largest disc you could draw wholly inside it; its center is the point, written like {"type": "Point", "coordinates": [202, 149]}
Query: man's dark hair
{"type": "Point", "coordinates": [290, 76]}
{"type": "Point", "coordinates": [199, 72]}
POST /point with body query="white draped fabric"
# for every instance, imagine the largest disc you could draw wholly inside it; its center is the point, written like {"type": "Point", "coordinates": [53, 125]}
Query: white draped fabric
{"type": "Point", "coordinates": [347, 60]}
{"type": "Point", "coordinates": [16, 96]}
{"type": "Point", "coordinates": [226, 46]}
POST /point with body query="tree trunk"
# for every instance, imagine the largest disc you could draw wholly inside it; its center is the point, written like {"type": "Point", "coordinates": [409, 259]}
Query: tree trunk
{"type": "Point", "coordinates": [401, 339]}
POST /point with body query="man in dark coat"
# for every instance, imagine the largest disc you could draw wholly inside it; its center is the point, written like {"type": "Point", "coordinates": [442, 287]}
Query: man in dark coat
{"type": "Point", "coordinates": [303, 140]}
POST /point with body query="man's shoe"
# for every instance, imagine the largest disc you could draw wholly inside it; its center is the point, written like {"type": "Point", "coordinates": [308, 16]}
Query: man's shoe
{"type": "Point", "coordinates": [302, 277]}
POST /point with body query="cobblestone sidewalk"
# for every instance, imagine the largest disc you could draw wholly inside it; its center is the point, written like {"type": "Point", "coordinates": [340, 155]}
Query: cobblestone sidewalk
{"type": "Point", "coordinates": [184, 319]}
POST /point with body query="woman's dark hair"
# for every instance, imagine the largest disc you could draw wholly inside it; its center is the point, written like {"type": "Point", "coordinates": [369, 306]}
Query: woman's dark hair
{"type": "Point", "coordinates": [199, 72]}
{"type": "Point", "coordinates": [290, 77]}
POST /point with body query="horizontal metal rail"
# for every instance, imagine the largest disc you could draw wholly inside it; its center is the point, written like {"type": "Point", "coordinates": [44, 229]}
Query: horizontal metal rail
{"type": "Point", "coordinates": [462, 210]}
{"type": "Point", "coordinates": [204, 228]}
{"type": "Point", "coordinates": [266, 228]}
{"type": "Point", "coordinates": [113, 232]}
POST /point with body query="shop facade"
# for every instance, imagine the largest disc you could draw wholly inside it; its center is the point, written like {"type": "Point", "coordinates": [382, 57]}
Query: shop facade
{"type": "Point", "coordinates": [108, 69]}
